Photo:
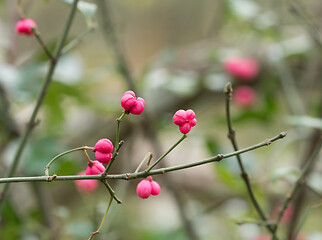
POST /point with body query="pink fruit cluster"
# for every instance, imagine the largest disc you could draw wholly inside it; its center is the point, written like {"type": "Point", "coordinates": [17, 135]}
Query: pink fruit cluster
{"type": "Point", "coordinates": [103, 150]}
{"type": "Point", "coordinates": [185, 120]}
{"type": "Point", "coordinates": [25, 26]}
{"type": "Point", "coordinates": [244, 69]}
{"type": "Point", "coordinates": [245, 96]}
{"type": "Point", "coordinates": [147, 187]}
{"type": "Point", "coordinates": [132, 104]}
{"type": "Point", "coordinates": [86, 186]}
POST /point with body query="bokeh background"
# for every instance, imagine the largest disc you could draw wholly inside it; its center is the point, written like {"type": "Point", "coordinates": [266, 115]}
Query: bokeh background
{"type": "Point", "coordinates": [175, 52]}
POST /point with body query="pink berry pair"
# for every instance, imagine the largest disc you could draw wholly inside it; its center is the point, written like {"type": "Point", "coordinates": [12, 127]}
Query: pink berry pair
{"type": "Point", "coordinates": [132, 104]}
{"type": "Point", "coordinates": [185, 120]}
{"type": "Point", "coordinates": [25, 26]}
{"type": "Point", "coordinates": [103, 150]}
{"type": "Point", "coordinates": [147, 187]}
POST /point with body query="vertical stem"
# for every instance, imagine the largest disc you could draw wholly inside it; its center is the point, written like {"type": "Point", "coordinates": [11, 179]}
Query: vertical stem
{"type": "Point", "coordinates": [32, 121]}
{"type": "Point", "coordinates": [244, 175]}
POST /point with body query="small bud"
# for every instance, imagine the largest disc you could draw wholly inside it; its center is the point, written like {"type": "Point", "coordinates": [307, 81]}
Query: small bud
{"type": "Point", "coordinates": [94, 168]}
{"type": "Point", "coordinates": [103, 150]}
{"type": "Point", "coordinates": [244, 69]}
{"type": "Point", "coordinates": [85, 186]}
{"type": "Point", "coordinates": [24, 26]}
{"type": "Point", "coordinates": [185, 120]}
{"type": "Point", "coordinates": [131, 104]}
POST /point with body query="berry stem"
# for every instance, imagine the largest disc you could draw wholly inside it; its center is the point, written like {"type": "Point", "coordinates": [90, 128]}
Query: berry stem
{"type": "Point", "coordinates": [62, 154]}
{"type": "Point", "coordinates": [164, 155]}
{"type": "Point", "coordinates": [88, 159]}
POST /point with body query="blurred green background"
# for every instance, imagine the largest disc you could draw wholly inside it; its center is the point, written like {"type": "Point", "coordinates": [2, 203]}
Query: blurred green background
{"type": "Point", "coordinates": [175, 51]}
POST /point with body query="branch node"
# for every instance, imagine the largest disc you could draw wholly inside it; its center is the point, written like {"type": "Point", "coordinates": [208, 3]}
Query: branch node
{"type": "Point", "coordinates": [52, 178]}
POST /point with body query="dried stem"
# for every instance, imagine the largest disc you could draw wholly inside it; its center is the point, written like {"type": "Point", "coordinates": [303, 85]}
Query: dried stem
{"type": "Point", "coordinates": [300, 181]}
{"type": "Point", "coordinates": [244, 175]}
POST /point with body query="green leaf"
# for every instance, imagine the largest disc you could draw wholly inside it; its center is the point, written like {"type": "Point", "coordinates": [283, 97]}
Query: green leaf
{"type": "Point", "coordinates": [87, 9]}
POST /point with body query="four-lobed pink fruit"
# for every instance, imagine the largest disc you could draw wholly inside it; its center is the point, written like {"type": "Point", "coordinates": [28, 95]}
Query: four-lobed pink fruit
{"type": "Point", "coordinates": [25, 26]}
{"type": "Point", "coordinates": [103, 150]}
{"type": "Point", "coordinates": [147, 187]}
{"type": "Point", "coordinates": [132, 104]}
{"type": "Point", "coordinates": [86, 186]}
{"type": "Point", "coordinates": [94, 168]}
{"type": "Point", "coordinates": [244, 69]}
{"type": "Point", "coordinates": [185, 120]}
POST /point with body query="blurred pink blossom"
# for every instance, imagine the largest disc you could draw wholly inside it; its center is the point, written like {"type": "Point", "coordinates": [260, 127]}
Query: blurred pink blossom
{"type": "Point", "coordinates": [244, 69]}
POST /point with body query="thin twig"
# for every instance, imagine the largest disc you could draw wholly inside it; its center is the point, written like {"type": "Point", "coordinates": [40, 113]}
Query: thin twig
{"type": "Point", "coordinates": [244, 175]}
{"type": "Point", "coordinates": [111, 191]}
{"type": "Point", "coordinates": [164, 155]}
{"type": "Point", "coordinates": [147, 157]}
{"type": "Point", "coordinates": [300, 181]}
{"type": "Point", "coordinates": [32, 121]}
{"type": "Point", "coordinates": [144, 174]}
{"type": "Point", "coordinates": [76, 41]}
{"type": "Point", "coordinates": [42, 44]}
{"type": "Point", "coordinates": [62, 154]}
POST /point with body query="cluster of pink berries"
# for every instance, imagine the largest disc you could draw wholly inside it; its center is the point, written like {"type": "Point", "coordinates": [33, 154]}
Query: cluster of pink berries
{"type": "Point", "coordinates": [243, 70]}
{"type": "Point", "coordinates": [147, 187]}
{"type": "Point", "coordinates": [132, 104]}
{"type": "Point", "coordinates": [25, 26]}
{"type": "Point", "coordinates": [185, 120]}
{"type": "Point", "coordinates": [103, 148]}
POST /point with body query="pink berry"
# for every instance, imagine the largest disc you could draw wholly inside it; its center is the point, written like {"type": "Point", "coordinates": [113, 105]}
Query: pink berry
{"type": "Point", "coordinates": [244, 69]}
{"type": "Point", "coordinates": [103, 157]}
{"type": "Point", "coordinates": [147, 187]}
{"type": "Point", "coordinates": [94, 168]}
{"type": "Point", "coordinates": [155, 188]}
{"type": "Point", "coordinates": [144, 189]}
{"type": "Point", "coordinates": [131, 104]}
{"type": "Point", "coordinates": [245, 96]}
{"type": "Point", "coordinates": [103, 150]}
{"type": "Point", "coordinates": [24, 26]}
{"type": "Point", "coordinates": [103, 145]}
{"type": "Point", "coordinates": [185, 120]}
{"type": "Point", "coordinates": [86, 186]}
